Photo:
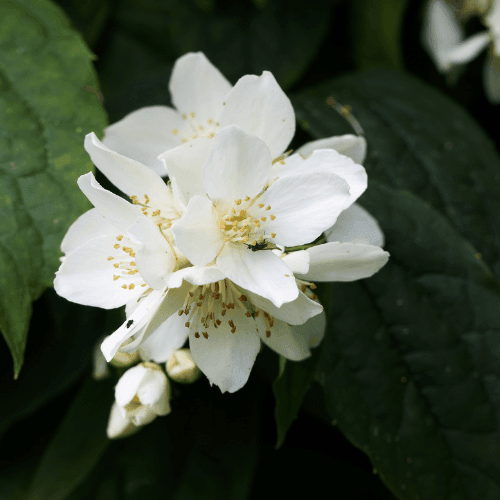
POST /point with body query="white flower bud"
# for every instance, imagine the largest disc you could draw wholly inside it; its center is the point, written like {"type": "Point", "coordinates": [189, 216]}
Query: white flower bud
{"type": "Point", "coordinates": [181, 367]}
{"type": "Point", "coordinates": [118, 425]}
{"type": "Point", "coordinates": [142, 393]}
{"type": "Point", "coordinates": [124, 359]}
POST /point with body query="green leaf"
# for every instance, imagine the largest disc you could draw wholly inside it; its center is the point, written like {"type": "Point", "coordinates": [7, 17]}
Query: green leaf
{"type": "Point", "coordinates": [421, 141]}
{"type": "Point", "coordinates": [77, 445]}
{"type": "Point", "coordinates": [43, 119]}
{"type": "Point", "coordinates": [376, 33]}
{"type": "Point", "coordinates": [410, 362]}
{"type": "Point", "coordinates": [290, 389]}
{"type": "Point", "coordinates": [238, 37]}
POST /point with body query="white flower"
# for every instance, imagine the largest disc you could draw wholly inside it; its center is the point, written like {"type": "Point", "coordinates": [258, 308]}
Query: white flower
{"type": "Point", "coordinates": [205, 102]}
{"type": "Point", "coordinates": [181, 367]}
{"type": "Point", "coordinates": [143, 393]}
{"type": "Point", "coordinates": [443, 37]}
{"type": "Point", "coordinates": [239, 201]}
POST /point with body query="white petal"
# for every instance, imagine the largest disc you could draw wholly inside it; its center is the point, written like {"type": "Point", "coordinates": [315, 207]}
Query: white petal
{"type": "Point", "coordinates": [141, 316]}
{"type": "Point", "coordinates": [166, 339]}
{"type": "Point", "coordinates": [196, 233]}
{"type": "Point", "coordinates": [227, 358]}
{"type": "Point", "coordinates": [325, 160]}
{"type": "Point", "coordinates": [196, 275]}
{"type": "Point", "coordinates": [144, 134]}
{"type": "Point", "coordinates": [130, 176]}
{"type": "Point", "coordinates": [468, 50]}
{"type": "Point", "coordinates": [356, 225]}
{"type": "Point", "coordinates": [491, 78]}
{"type": "Point", "coordinates": [344, 261]}
{"type": "Point", "coordinates": [129, 383]}
{"type": "Point", "coordinates": [259, 107]}
{"type": "Point", "coordinates": [156, 257]}
{"type": "Point", "coordinates": [86, 276]}
{"type": "Point", "coordinates": [298, 262]}
{"type": "Point", "coordinates": [353, 146]}
{"type": "Point", "coordinates": [169, 305]}
{"type": "Point", "coordinates": [442, 32]}
{"type": "Point", "coordinates": [295, 313]}
{"type": "Point", "coordinates": [263, 273]}
{"type": "Point", "coordinates": [185, 164]}
{"type": "Point", "coordinates": [118, 425]}
{"type": "Point", "coordinates": [153, 387]}
{"type": "Point", "coordinates": [238, 165]}
{"type": "Point", "coordinates": [293, 342]}
{"type": "Point", "coordinates": [304, 206]}
{"type": "Point", "coordinates": [197, 86]}
{"type": "Point", "coordinates": [118, 212]}
{"type": "Point", "coordinates": [88, 226]}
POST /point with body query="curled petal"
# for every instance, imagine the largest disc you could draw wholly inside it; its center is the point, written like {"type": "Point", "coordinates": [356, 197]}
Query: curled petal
{"type": "Point", "coordinates": [129, 383]}
{"type": "Point", "coordinates": [345, 261]}
{"type": "Point", "coordinates": [353, 146]}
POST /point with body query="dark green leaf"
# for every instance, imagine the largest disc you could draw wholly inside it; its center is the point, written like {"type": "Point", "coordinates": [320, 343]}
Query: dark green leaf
{"type": "Point", "coordinates": [63, 338]}
{"type": "Point", "coordinates": [376, 33]}
{"type": "Point", "coordinates": [44, 116]}
{"type": "Point", "coordinates": [238, 37]}
{"type": "Point", "coordinates": [410, 362]}
{"type": "Point", "coordinates": [421, 141]}
{"type": "Point", "coordinates": [290, 389]}
{"type": "Point", "coordinates": [77, 446]}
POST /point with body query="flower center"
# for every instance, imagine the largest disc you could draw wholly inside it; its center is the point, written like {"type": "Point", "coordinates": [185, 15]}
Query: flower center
{"type": "Point", "coordinates": [209, 305]}
{"type": "Point", "coordinates": [195, 129]}
{"type": "Point", "coordinates": [125, 269]}
{"type": "Point", "coordinates": [245, 222]}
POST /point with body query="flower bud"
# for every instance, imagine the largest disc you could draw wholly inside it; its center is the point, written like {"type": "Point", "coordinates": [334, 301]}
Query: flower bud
{"type": "Point", "coordinates": [118, 425]}
{"type": "Point", "coordinates": [181, 367]}
{"type": "Point", "coordinates": [142, 393]}
{"type": "Point", "coordinates": [124, 359]}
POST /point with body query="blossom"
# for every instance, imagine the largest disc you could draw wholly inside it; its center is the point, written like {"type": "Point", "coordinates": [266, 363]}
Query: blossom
{"type": "Point", "coordinates": [240, 202]}
{"type": "Point", "coordinates": [206, 102]}
{"type": "Point", "coordinates": [444, 38]}
{"type": "Point", "coordinates": [141, 394]}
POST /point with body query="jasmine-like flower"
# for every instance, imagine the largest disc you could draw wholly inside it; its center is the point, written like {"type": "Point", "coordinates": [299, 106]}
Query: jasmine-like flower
{"type": "Point", "coordinates": [444, 38]}
{"type": "Point", "coordinates": [241, 203]}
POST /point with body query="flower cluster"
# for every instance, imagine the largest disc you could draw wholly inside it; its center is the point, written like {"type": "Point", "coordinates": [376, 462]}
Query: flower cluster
{"type": "Point", "coordinates": [225, 253]}
{"type": "Point", "coordinates": [444, 38]}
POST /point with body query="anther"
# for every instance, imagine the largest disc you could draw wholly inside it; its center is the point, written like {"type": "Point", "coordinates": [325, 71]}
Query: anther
{"type": "Point", "coordinates": [312, 286]}
{"type": "Point", "coordinates": [205, 334]}
{"type": "Point", "coordinates": [303, 288]}
{"type": "Point", "coordinates": [233, 329]}
{"type": "Point", "coordinates": [120, 237]}
{"type": "Point", "coordinates": [263, 219]}
{"type": "Point", "coordinates": [186, 324]}
{"type": "Point", "coordinates": [273, 235]}
{"type": "Point", "coordinates": [268, 207]}
{"type": "Point", "coordinates": [115, 277]}
{"type": "Point", "coordinates": [273, 217]}
{"type": "Point", "coordinates": [110, 258]}
{"type": "Point", "coordinates": [116, 245]}
{"type": "Point", "coordinates": [238, 202]}
{"type": "Point", "coordinates": [268, 333]}
{"type": "Point", "coordinates": [124, 286]}
{"type": "Point", "coordinates": [180, 312]}
{"type": "Point", "coordinates": [218, 321]}
{"type": "Point", "coordinates": [175, 131]}
{"type": "Point", "coordinates": [260, 205]}
{"type": "Point", "coordinates": [247, 198]}
{"type": "Point", "coordinates": [133, 264]}
{"type": "Point", "coordinates": [243, 298]}
{"type": "Point", "coordinates": [131, 286]}
{"type": "Point", "coordinates": [197, 335]}
{"type": "Point", "coordinates": [248, 314]}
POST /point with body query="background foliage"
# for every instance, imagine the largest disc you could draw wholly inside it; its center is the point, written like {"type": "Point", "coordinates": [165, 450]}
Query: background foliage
{"type": "Point", "coordinates": [402, 400]}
